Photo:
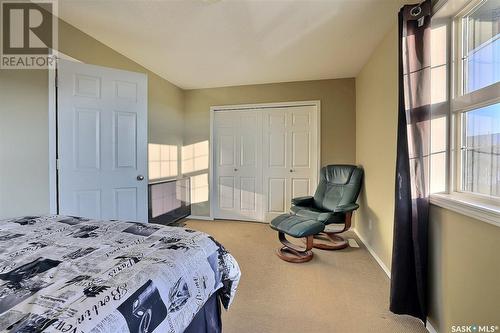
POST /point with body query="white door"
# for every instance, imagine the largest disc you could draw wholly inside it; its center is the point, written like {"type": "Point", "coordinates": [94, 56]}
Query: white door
{"type": "Point", "coordinates": [290, 161]}
{"type": "Point", "coordinates": [102, 142]}
{"type": "Point", "coordinates": [237, 161]}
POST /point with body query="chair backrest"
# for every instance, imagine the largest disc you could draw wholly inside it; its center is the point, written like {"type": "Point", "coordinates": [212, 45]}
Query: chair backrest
{"type": "Point", "coordinates": [338, 185]}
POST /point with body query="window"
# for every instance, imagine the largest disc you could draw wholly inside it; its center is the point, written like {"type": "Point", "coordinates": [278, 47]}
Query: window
{"type": "Point", "coordinates": [481, 46]}
{"type": "Point", "coordinates": [481, 151]}
{"type": "Point", "coordinates": [476, 100]}
{"type": "Point", "coordinates": [162, 161]}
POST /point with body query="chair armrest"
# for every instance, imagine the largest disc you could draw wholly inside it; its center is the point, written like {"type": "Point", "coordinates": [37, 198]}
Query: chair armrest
{"type": "Point", "coordinates": [303, 201]}
{"type": "Point", "coordinates": [346, 208]}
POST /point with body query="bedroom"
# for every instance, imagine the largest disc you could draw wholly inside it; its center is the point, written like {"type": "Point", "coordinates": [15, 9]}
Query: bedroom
{"type": "Point", "coordinates": [196, 80]}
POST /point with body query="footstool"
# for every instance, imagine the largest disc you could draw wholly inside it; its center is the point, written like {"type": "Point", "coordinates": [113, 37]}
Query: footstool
{"type": "Point", "coordinates": [297, 227]}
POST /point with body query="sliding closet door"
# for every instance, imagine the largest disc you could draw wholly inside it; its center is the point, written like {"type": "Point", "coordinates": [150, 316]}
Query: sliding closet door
{"type": "Point", "coordinates": [238, 165]}
{"type": "Point", "coordinates": [290, 156]}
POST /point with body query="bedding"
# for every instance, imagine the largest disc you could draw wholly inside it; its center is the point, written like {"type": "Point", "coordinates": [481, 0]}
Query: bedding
{"type": "Point", "coordinates": [71, 274]}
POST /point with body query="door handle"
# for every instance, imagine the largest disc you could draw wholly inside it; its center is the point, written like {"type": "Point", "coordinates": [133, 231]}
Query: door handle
{"type": "Point", "coordinates": [140, 177]}
{"type": "Point", "coordinates": [291, 170]}
{"type": "Point", "coordinates": [235, 169]}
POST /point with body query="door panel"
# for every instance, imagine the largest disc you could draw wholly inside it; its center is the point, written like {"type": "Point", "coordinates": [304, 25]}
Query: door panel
{"type": "Point", "coordinates": [247, 196]}
{"type": "Point", "coordinates": [125, 125]}
{"type": "Point", "coordinates": [290, 165]}
{"type": "Point", "coordinates": [125, 203]}
{"type": "Point", "coordinates": [276, 120]}
{"type": "Point", "coordinates": [227, 150]}
{"type": "Point", "coordinates": [247, 151]}
{"type": "Point", "coordinates": [300, 150]}
{"type": "Point", "coordinates": [126, 91]}
{"type": "Point", "coordinates": [226, 192]}
{"type": "Point", "coordinates": [248, 123]}
{"type": "Point", "coordinates": [87, 139]}
{"type": "Point", "coordinates": [87, 86]}
{"type": "Point", "coordinates": [88, 203]}
{"type": "Point", "coordinates": [238, 182]}
{"type": "Point", "coordinates": [300, 187]}
{"type": "Point", "coordinates": [277, 150]}
{"type": "Point", "coordinates": [277, 195]}
{"type": "Point", "coordinates": [300, 119]}
{"type": "Point", "coordinates": [102, 142]}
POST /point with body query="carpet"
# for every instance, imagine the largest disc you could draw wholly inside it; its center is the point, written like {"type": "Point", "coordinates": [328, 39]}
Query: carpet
{"type": "Point", "coordinates": [337, 291]}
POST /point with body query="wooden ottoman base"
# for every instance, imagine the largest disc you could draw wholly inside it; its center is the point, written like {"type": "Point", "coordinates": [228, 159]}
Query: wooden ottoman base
{"type": "Point", "coordinates": [294, 253]}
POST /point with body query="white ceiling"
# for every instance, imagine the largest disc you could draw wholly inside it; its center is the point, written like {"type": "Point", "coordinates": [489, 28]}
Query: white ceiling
{"type": "Point", "coordinates": [210, 43]}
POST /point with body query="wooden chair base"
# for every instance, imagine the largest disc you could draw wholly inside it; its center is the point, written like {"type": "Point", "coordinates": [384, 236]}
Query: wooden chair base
{"type": "Point", "coordinates": [332, 240]}
{"type": "Point", "coordinates": [293, 253]}
{"type": "Point", "coordinates": [329, 241]}
{"type": "Point", "coordinates": [288, 255]}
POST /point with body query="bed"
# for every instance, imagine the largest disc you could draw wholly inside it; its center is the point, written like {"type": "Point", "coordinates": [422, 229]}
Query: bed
{"type": "Point", "coordinates": [71, 274]}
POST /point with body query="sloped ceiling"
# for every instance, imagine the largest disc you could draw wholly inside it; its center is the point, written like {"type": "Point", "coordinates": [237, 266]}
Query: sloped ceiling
{"type": "Point", "coordinates": [210, 43]}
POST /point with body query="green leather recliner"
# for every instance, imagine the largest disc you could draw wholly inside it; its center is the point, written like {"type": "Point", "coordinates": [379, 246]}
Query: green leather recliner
{"type": "Point", "coordinates": [332, 204]}
{"type": "Point", "coordinates": [311, 218]}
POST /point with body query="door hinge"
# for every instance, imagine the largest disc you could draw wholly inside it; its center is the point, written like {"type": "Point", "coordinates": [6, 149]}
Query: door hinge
{"type": "Point", "coordinates": [58, 164]}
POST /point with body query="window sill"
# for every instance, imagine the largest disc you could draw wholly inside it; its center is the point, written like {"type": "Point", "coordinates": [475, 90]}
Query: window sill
{"type": "Point", "coordinates": [468, 207]}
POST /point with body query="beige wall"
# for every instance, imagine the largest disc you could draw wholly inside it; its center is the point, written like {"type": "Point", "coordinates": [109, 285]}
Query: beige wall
{"type": "Point", "coordinates": [463, 255]}
{"type": "Point", "coordinates": [376, 126]}
{"type": "Point", "coordinates": [464, 271]}
{"type": "Point", "coordinates": [24, 184]}
{"type": "Point", "coordinates": [337, 114]}
{"type": "Point", "coordinates": [165, 109]}
{"type": "Point", "coordinates": [24, 187]}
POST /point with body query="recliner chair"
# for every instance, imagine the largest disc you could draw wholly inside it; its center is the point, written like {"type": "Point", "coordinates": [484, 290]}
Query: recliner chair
{"type": "Point", "coordinates": [309, 218]}
{"type": "Point", "coordinates": [333, 202]}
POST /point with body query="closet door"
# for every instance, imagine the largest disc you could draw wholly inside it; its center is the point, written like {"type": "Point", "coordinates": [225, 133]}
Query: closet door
{"type": "Point", "coordinates": [238, 165]}
{"type": "Point", "coordinates": [290, 156]}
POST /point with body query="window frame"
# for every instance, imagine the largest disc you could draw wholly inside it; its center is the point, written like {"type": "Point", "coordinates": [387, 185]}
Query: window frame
{"type": "Point", "coordinates": [476, 205]}
{"type": "Point", "coordinates": [462, 102]}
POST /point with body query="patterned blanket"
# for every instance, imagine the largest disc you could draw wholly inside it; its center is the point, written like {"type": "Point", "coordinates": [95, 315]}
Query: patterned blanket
{"type": "Point", "coordinates": [70, 274]}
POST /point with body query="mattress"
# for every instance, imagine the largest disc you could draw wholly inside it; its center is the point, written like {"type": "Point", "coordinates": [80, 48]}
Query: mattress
{"type": "Point", "coordinates": [71, 274]}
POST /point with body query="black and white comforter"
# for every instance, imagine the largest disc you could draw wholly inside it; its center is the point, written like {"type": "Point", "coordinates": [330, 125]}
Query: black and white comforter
{"type": "Point", "coordinates": [69, 274]}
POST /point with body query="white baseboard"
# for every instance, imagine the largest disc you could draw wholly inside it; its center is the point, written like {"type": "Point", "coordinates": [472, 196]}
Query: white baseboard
{"type": "Point", "coordinates": [387, 271]}
{"type": "Point", "coordinates": [199, 217]}
{"type": "Point", "coordinates": [430, 328]}
{"type": "Point", "coordinates": [374, 255]}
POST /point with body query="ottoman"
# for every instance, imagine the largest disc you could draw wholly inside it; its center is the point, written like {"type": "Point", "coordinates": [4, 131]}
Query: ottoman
{"type": "Point", "coordinates": [297, 227]}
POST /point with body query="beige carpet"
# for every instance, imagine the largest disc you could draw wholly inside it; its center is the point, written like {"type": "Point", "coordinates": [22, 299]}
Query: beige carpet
{"type": "Point", "coordinates": [338, 291]}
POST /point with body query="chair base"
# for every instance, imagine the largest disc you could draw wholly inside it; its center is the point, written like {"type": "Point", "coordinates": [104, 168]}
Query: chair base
{"type": "Point", "coordinates": [292, 253]}
{"type": "Point", "coordinates": [294, 257]}
{"type": "Point", "coordinates": [332, 241]}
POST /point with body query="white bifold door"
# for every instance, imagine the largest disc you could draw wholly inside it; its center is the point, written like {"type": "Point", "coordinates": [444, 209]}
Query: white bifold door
{"type": "Point", "coordinates": [102, 142]}
{"type": "Point", "coordinates": [262, 159]}
{"type": "Point", "coordinates": [238, 160]}
{"type": "Point", "coordinates": [290, 164]}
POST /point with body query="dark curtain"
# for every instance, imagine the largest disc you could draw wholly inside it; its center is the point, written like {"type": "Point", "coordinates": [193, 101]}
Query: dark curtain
{"type": "Point", "coordinates": [409, 254]}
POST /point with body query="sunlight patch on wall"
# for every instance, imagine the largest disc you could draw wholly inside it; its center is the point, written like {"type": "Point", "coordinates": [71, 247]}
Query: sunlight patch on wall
{"type": "Point", "coordinates": [199, 188]}
{"type": "Point", "coordinates": [195, 157]}
{"type": "Point", "coordinates": [162, 161]}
